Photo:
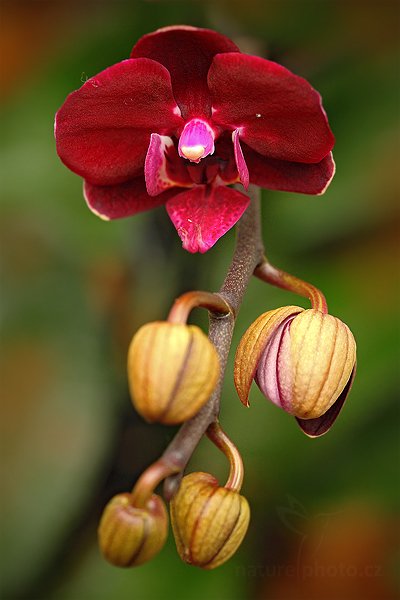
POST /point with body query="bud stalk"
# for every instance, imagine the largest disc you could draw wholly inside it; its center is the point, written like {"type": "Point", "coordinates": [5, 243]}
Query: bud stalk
{"type": "Point", "coordinates": [183, 305]}
{"type": "Point", "coordinates": [286, 281]}
{"type": "Point", "coordinates": [222, 441]}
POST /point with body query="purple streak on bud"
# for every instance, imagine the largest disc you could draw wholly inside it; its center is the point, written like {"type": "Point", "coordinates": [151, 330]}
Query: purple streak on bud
{"type": "Point", "coordinates": [273, 376]}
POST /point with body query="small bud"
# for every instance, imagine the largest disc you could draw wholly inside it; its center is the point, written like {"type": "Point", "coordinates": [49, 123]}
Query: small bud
{"type": "Point", "coordinates": [172, 370]}
{"type": "Point", "coordinates": [130, 536]}
{"type": "Point", "coordinates": [209, 522]}
{"type": "Point", "coordinates": [302, 360]}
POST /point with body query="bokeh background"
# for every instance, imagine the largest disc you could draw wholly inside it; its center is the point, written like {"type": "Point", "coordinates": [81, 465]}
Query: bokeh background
{"type": "Point", "coordinates": [74, 289]}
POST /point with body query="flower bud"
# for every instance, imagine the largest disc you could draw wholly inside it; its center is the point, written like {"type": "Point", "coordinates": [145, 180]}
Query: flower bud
{"type": "Point", "coordinates": [209, 522]}
{"type": "Point", "coordinates": [130, 536]}
{"type": "Point", "coordinates": [172, 369]}
{"type": "Point", "coordinates": [302, 360]}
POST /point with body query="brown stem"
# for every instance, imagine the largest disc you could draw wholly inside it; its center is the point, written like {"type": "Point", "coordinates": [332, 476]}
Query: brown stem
{"type": "Point", "coordinates": [182, 306]}
{"type": "Point", "coordinates": [286, 281]}
{"type": "Point", "coordinates": [225, 444]}
{"type": "Point", "coordinates": [248, 254]}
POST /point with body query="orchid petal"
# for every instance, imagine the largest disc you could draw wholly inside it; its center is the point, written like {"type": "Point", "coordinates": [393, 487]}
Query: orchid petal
{"type": "Point", "coordinates": [202, 215]}
{"type": "Point", "coordinates": [187, 53]}
{"type": "Point", "coordinates": [287, 176]}
{"type": "Point", "coordinates": [279, 114]}
{"type": "Point", "coordinates": [103, 129]}
{"type": "Point", "coordinates": [123, 200]}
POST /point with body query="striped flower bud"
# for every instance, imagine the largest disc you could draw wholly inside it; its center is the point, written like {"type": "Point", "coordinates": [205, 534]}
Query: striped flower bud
{"type": "Point", "coordinates": [130, 536]}
{"type": "Point", "coordinates": [302, 360]}
{"type": "Point", "coordinates": [209, 522]}
{"type": "Point", "coordinates": [172, 370]}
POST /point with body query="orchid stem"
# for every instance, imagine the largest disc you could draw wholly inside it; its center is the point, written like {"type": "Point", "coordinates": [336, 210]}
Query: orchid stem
{"type": "Point", "coordinates": [248, 254]}
{"type": "Point", "coordinates": [286, 281]}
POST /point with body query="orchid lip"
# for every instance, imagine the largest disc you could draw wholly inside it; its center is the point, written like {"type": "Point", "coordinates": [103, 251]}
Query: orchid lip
{"type": "Point", "coordinates": [196, 140]}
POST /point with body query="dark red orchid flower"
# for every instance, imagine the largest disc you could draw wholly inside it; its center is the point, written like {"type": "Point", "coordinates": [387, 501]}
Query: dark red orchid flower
{"type": "Point", "coordinates": [184, 118]}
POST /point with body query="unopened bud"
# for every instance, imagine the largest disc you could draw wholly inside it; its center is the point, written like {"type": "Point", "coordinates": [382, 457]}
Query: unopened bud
{"type": "Point", "coordinates": [130, 536]}
{"type": "Point", "coordinates": [302, 360]}
{"type": "Point", "coordinates": [209, 522]}
{"type": "Point", "coordinates": [172, 370]}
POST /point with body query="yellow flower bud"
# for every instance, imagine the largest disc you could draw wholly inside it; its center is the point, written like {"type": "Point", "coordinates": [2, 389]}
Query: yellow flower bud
{"type": "Point", "coordinates": [321, 352]}
{"type": "Point", "coordinates": [302, 360]}
{"type": "Point", "coordinates": [172, 370]}
{"type": "Point", "coordinates": [209, 522]}
{"type": "Point", "coordinates": [130, 536]}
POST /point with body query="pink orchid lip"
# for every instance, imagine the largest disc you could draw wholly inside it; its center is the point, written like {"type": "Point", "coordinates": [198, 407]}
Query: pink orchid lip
{"type": "Point", "coordinates": [196, 140]}
{"type": "Point", "coordinates": [203, 214]}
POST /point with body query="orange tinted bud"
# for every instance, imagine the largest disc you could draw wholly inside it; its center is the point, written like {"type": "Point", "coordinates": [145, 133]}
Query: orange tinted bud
{"type": "Point", "coordinates": [173, 369]}
{"type": "Point", "coordinates": [209, 522]}
{"type": "Point", "coordinates": [302, 360]}
{"type": "Point", "coordinates": [130, 536]}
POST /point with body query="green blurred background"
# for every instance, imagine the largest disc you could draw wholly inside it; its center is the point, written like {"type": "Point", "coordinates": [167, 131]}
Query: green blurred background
{"type": "Point", "coordinates": [74, 289]}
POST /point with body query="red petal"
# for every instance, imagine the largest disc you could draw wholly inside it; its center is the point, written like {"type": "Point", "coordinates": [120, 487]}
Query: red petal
{"type": "Point", "coordinates": [103, 129]}
{"type": "Point", "coordinates": [187, 53]}
{"type": "Point", "coordinates": [290, 176]}
{"type": "Point", "coordinates": [279, 114]}
{"type": "Point", "coordinates": [123, 200]}
{"type": "Point", "coordinates": [202, 215]}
